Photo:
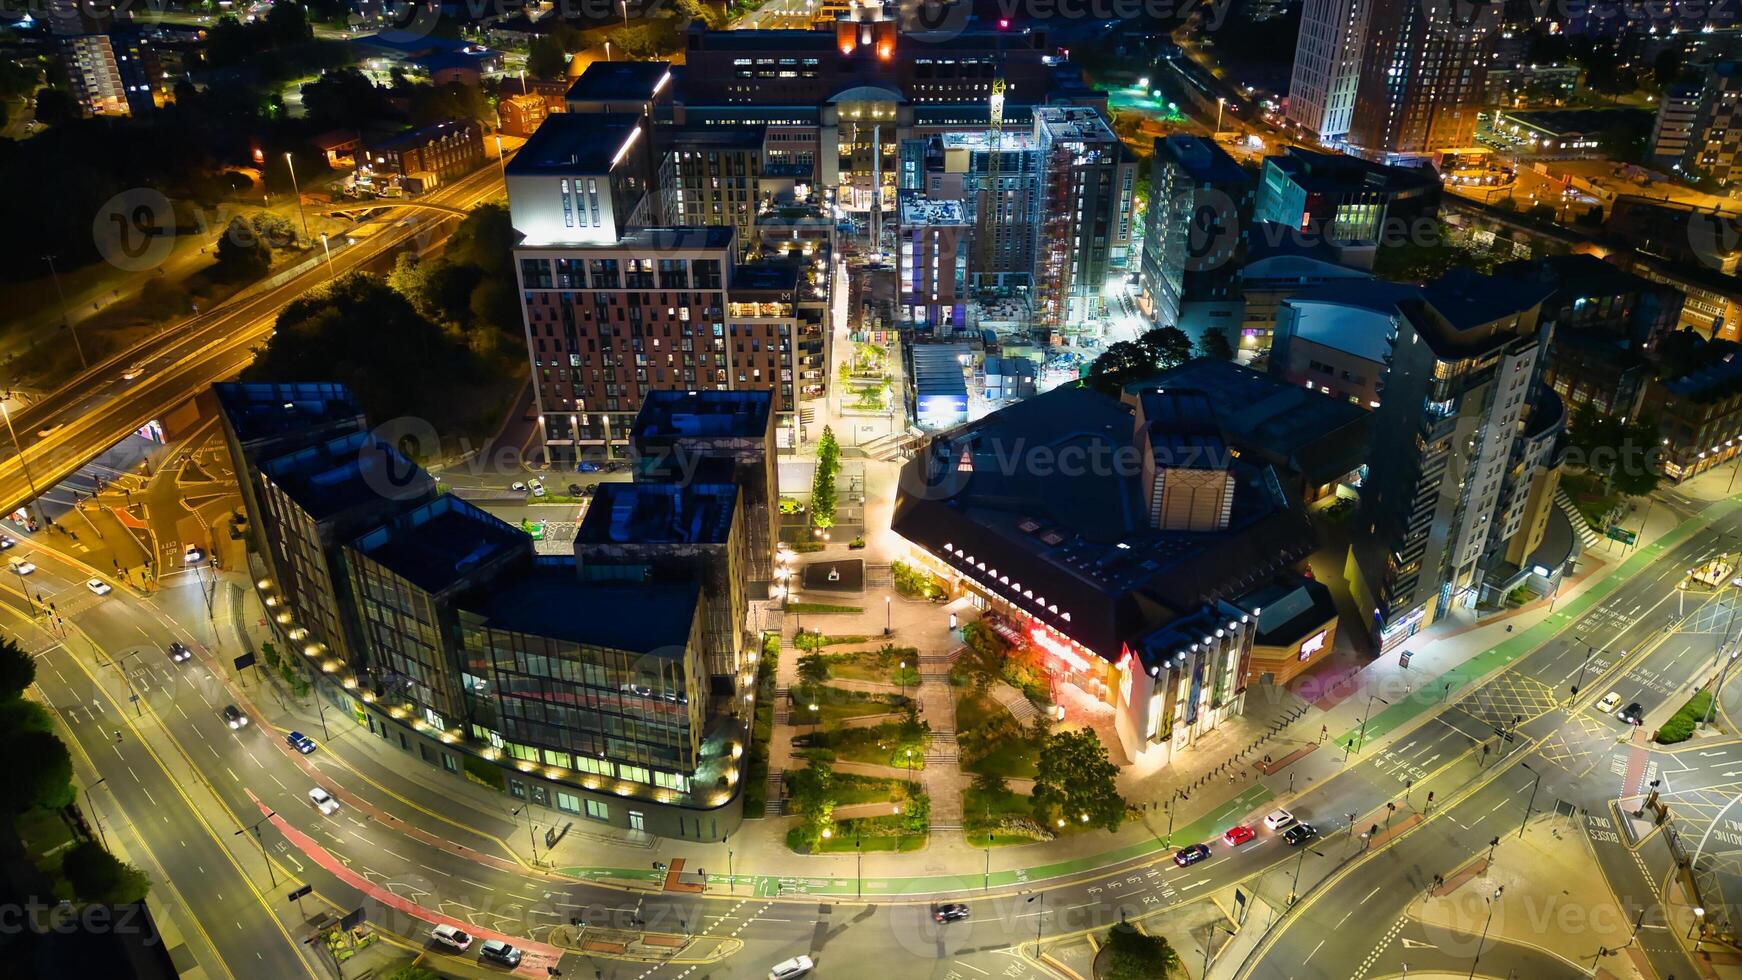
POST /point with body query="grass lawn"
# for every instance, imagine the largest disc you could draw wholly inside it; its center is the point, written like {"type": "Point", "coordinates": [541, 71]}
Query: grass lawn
{"type": "Point", "coordinates": [850, 789]}
{"type": "Point", "coordinates": [842, 842]}
{"type": "Point", "coordinates": [821, 607]}
{"type": "Point", "coordinates": [981, 811]}
{"type": "Point", "coordinates": [1018, 760]}
{"type": "Point", "coordinates": [813, 641]}
{"type": "Point", "coordinates": [837, 705]}
{"type": "Point", "coordinates": [877, 666]}
{"type": "Point", "coordinates": [1588, 498]}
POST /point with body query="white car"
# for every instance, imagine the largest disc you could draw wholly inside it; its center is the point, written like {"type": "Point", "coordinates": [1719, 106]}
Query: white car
{"type": "Point", "coordinates": [451, 937]}
{"type": "Point", "coordinates": [193, 555]}
{"type": "Point", "coordinates": [798, 966]}
{"type": "Point", "coordinates": [133, 371]}
{"type": "Point", "coordinates": [517, 487]}
{"type": "Point", "coordinates": [1278, 819]}
{"type": "Point", "coordinates": [1610, 702]}
{"type": "Point", "coordinates": [324, 802]}
{"type": "Point", "coordinates": [21, 567]}
{"type": "Point", "coordinates": [537, 488]}
{"type": "Point", "coordinates": [98, 586]}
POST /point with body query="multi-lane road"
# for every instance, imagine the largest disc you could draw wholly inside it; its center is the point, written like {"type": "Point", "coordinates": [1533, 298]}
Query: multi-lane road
{"type": "Point", "coordinates": [65, 429]}
{"type": "Point", "coordinates": [187, 794]}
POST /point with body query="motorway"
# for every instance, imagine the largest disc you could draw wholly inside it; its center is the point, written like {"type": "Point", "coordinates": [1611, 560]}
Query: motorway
{"type": "Point", "coordinates": [181, 786]}
{"type": "Point", "coordinates": [63, 430]}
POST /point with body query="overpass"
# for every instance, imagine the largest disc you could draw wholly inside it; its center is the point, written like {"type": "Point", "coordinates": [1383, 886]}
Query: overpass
{"type": "Point", "coordinates": [383, 205]}
{"type": "Point", "coordinates": [61, 432]}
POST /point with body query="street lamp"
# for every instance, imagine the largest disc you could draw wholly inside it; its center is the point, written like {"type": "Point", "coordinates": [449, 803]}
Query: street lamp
{"type": "Point", "coordinates": [66, 321]}
{"type": "Point", "coordinates": [1484, 937]}
{"type": "Point", "coordinates": [255, 829]}
{"type": "Point", "coordinates": [1294, 886]}
{"type": "Point", "coordinates": [1532, 801]}
{"type": "Point", "coordinates": [888, 615]}
{"type": "Point", "coordinates": [501, 159]}
{"type": "Point", "coordinates": [298, 192]}
{"type": "Point", "coordinates": [1361, 739]}
{"type": "Point", "coordinates": [527, 809]}
{"type": "Point", "coordinates": [1698, 925]}
{"type": "Point", "coordinates": [328, 249]}
{"type": "Point", "coordinates": [1039, 918]}
{"type": "Point", "coordinates": [93, 805]}
{"type": "Point", "coordinates": [1220, 102]}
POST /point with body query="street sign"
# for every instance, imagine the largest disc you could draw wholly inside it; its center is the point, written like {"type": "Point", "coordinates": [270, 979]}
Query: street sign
{"type": "Point", "coordinates": [1621, 534]}
{"type": "Point", "coordinates": [300, 892]}
{"type": "Point", "coordinates": [1503, 733]}
{"type": "Point", "coordinates": [1403, 659]}
{"type": "Point", "coordinates": [245, 661]}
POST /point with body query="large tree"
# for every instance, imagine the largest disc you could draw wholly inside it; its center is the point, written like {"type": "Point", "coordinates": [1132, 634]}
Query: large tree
{"type": "Point", "coordinates": [39, 772]}
{"type": "Point", "coordinates": [1076, 782]}
{"type": "Point", "coordinates": [98, 876]}
{"type": "Point", "coordinates": [17, 669]}
{"type": "Point", "coordinates": [1618, 449]}
{"type": "Point", "coordinates": [1156, 350]}
{"type": "Point", "coordinates": [241, 254]}
{"type": "Point", "coordinates": [1133, 955]}
{"type": "Point", "coordinates": [1214, 343]}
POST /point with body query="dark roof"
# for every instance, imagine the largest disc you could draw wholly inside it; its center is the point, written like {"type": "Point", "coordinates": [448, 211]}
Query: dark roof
{"type": "Point", "coordinates": [548, 598]}
{"type": "Point", "coordinates": [426, 134]}
{"type": "Point", "coordinates": [659, 513]}
{"type": "Point", "coordinates": [770, 276]}
{"type": "Point", "coordinates": [1289, 609]}
{"type": "Point", "coordinates": [1578, 121]}
{"type": "Point", "coordinates": [616, 81]}
{"type": "Point", "coordinates": [1202, 160]}
{"type": "Point", "coordinates": [1181, 428]}
{"type": "Point", "coordinates": [1468, 299]}
{"type": "Point", "coordinates": [351, 471]}
{"type": "Point", "coordinates": [1286, 425]}
{"type": "Point", "coordinates": [436, 545]}
{"type": "Point", "coordinates": [707, 414]}
{"type": "Point", "coordinates": [569, 143]}
{"type": "Point", "coordinates": [265, 411]}
{"type": "Point", "coordinates": [1044, 495]}
{"type": "Point", "coordinates": [1578, 274]}
{"type": "Point", "coordinates": [675, 237]}
{"type": "Point", "coordinates": [1337, 173]}
{"type": "Point", "coordinates": [1270, 239]}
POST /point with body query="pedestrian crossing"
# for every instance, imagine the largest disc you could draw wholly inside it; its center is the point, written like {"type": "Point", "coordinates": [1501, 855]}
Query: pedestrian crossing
{"type": "Point", "coordinates": [1588, 535]}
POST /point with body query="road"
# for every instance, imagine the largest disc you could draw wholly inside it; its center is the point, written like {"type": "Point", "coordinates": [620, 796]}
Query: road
{"type": "Point", "coordinates": [60, 432]}
{"type": "Point", "coordinates": [413, 855]}
{"type": "Point", "coordinates": [1585, 760]}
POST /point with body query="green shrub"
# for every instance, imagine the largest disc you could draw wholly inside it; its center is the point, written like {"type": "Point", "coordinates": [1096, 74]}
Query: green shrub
{"type": "Point", "coordinates": [484, 771]}
{"type": "Point", "coordinates": [97, 876]}
{"type": "Point", "coordinates": [1680, 726]}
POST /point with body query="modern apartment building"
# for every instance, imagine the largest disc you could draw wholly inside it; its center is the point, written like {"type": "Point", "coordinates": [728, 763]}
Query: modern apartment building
{"type": "Point", "coordinates": [1200, 211]}
{"type": "Point", "coordinates": [933, 238]}
{"type": "Point", "coordinates": [1327, 67]}
{"type": "Point", "coordinates": [611, 684]}
{"type": "Point", "coordinates": [1087, 195]}
{"type": "Point", "coordinates": [713, 176]}
{"type": "Point", "coordinates": [1714, 134]}
{"type": "Point", "coordinates": [1422, 78]}
{"type": "Point", "coordinates": [1342, 199]}
{"type": "Point", "coordinates": [615, 310]}
{"type": "Point", "coordinates": [1452, 449]}
{"type": "Point", "coordinates": [964, 166]}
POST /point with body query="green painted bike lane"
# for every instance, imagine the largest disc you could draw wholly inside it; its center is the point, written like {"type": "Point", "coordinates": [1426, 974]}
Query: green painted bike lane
{"type": "Point", "coordinates": [771, 886]}
{"type": "Point", "coordinates": [1519, 644]}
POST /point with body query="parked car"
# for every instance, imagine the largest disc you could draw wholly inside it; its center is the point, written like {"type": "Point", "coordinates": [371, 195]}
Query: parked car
{"type": "Point", "coordinates": [178, 652]}
{"type": "Point", "coordinates": [324, 802]}
{"type": "Point", "coordinates": [517, 487]}
{"type": "Point", "coordinates": [1299, 834]}
{"type": "Point", "coordinates": [98, 586]}
{"type": "Point", "coordinates": [451, 937]}
{"type": "Point", "coordinates": [300, 742]}
{"type": "Point", "coordinates": [234, 717]}
{"type": "Point", "coordinates": [791, 969]}
{"type": "Point", "coordinates": [193, 555]}
{"type": "Point", "coordinates": [1610, 702]}
{"type": "Point", "coordinates": [1277, 819]}
{"type": "Point", "coordinates": [1187, 856]}
{"type": "Point", "coordinates": [950, 912]}
{"type": "Point", "coordinates": [497, 951]}
{"type": "Point", "coordinates": [1238, 834]}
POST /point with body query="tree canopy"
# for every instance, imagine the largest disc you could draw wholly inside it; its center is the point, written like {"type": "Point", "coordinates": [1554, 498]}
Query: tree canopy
{"type": "Point", "coordinates": [17, 669]}
{"type": "Point", "coordinates": [1133, 955]}
{"type": "Point", "coordinates": [98, 876]}
{"type": "Point", "coordinates": [1075, 781]}
{"type": "Point", "coordinates": [1132, 360]}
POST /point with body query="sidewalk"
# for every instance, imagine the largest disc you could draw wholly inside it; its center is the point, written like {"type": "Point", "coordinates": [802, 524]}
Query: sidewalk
{"type": "Point", "coordinates": [1445, 660]}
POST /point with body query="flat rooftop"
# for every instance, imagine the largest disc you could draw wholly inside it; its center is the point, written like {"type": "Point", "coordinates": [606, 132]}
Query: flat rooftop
{"type": "Point", "coordinates": [917, 209]}
{"type": "Point", "coordinates": [572, 142]}
{"type": "Point", "coordinates": [1202, 159]}
{"type": "Point", "coordinates": [549, 599]}
{"type": "Point", "coordinates": [435, 545]}
{"type": "Point", "coordinates": [424, 135]}
{"type": "Point", "coordinates": [1046, 497]}
{"type": "Point", "coordinates": [617, 81]}
{"type": "Point", "coordinates": [265, 410]}
{"type": "Point", "coordinates": [677, 414]}
{"type": "Point", "coordinates": [353, 470]}
{"type": "Point", "coordinates": [659, 513]}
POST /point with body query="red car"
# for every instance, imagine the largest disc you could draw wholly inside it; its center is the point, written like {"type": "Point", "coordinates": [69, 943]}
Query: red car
{"type": "Point", "coordinates": [1237, 835]}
